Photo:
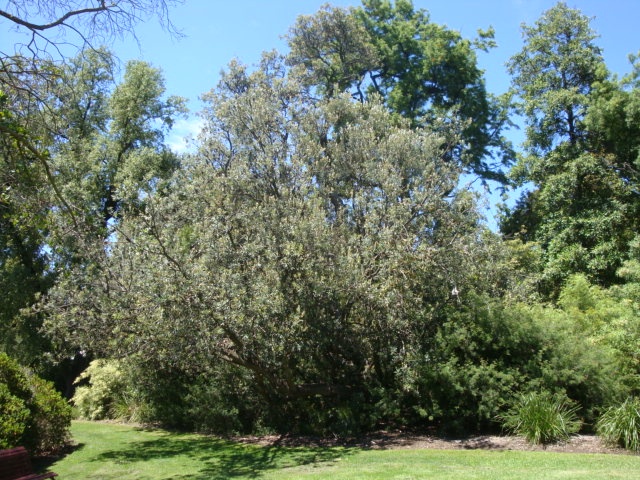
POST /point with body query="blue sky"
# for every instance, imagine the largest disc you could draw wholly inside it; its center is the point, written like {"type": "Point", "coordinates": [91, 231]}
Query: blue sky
{"type": "Point", "coordinates": [217, 31]}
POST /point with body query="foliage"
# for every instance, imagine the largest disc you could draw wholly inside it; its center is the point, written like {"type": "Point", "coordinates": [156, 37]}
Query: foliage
{"type": "Point", "coordinates": [316, 266]}
{"type": "Point", "coordinates": [553, 75]}
{"type": "Point", "coordinates": [579, 153]}
{"type": "Point", "coordinates": [101, 387]}
{"type": "Point", "coordinates": [308, 244]}
{"type": "Point", "coordinates": [104, 151]}
{"type": "Point", "coordinates": [489, 349]}
{"type": "Point", "coordinates": [13, 418]}
{"type": "Point", "coordinates": [23, 264]}
{"type": "Point", "coordinates": [608, 318]}
{"type": "Point", "coordinates": [33, 414]}
{"type": "Point", "coordinates": [543, 418]}
{"type": "Point", "coordinates": [620, 425]}
{"type": "Point", "coordinates": [425, 72]}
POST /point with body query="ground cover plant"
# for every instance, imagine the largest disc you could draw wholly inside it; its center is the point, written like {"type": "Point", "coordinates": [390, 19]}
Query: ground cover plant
{"type": "Point", "coordinates": [111, 451]}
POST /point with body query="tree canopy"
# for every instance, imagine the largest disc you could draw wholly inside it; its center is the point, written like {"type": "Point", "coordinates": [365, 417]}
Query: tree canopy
{"type": "Point", "coordinates": [425, 72]}
{"type": "Point", "coordinates": [316, 263]}
{"type": "Point", "coordinates": [584, 207]}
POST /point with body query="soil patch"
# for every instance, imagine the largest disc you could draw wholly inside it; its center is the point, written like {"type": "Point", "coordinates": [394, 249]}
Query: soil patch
{"type": "Point", "coordinates": [401, 440]}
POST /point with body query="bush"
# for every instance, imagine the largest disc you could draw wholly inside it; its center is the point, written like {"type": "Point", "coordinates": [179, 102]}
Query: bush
{"type": "Point", "coordinates": [13, 418]}
{"type": "Point", "coordinates": [103, 392]}
{"type": "Point", "coordinates": [543, 418]}
{"type": "Point", "coordinates": [621, 425]}
{"type": "Point", "coordinates": [100, 387]}
{"type": "Point", "coordinates": [32, 413]}
{"type": "Point", "coordinates": [489, 350]}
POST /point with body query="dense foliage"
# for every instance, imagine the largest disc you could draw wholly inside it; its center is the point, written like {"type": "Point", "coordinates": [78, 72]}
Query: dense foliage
{"type": "Point", "coordinates": [583, 210]}
{"type": "Point", "coordinates": [32, 413]}
{"type": "Point", "coordinates": [425, 72]}
{"type": "Point", "coordinates": [315, 264]}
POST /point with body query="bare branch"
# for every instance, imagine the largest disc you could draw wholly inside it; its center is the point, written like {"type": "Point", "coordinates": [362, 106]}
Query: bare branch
{"type": "Point", "coordinates": [55, 23]}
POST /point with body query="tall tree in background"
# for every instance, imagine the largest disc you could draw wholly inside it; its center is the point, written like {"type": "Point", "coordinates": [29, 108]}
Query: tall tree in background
{"type": "Point", "coordinates": [46, 32]}
{"type": "Point", "coordinates": [583, 208]}
{"type": "Point", "coordinates": [108, 148]}
{"type": "Point", "coordinates": [104, 151]}
{"type": "Point", "coordinates": [423, 71]}
{"type": "Point", "coordinates": [55, 114]}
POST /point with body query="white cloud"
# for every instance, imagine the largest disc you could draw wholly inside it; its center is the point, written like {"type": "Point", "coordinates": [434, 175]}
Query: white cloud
{"type": "Point", "coordinates": [184, 132]}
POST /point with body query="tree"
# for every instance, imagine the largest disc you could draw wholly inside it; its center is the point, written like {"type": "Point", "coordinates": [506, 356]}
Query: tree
{"type": "Point", "coordinates": [104, 152]}
{"type": "Point", "coordinates": [108, 148]}
{"type": "Point", "coordinates": [583, 209]}
{"type": "Point", "coordinates": [51, 27]}
{"type": "Point", "coordinates": [423, 71]}
{"type": "Point", "coordinates": [48, 25]}
{"type": "Point", "coordinates": [554, 74]}
{"type": "Point", "coordinates": [24, 270]}
{"type": "Point", "coordinates": [32, 129]}
{"type": "Point", "coordinates": [308, 245]}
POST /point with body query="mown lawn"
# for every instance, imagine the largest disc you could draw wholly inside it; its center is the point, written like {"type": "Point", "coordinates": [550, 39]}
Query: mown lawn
{"type": "Point", "coordinates": [108, 451]}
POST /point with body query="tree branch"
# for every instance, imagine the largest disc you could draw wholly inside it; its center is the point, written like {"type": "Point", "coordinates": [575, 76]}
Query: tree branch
{"type": "Point", "coordinates": [56, 23]}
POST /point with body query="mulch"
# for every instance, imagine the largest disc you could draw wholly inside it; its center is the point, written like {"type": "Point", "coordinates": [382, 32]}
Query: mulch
{"type": "Point", "coordinates": [401, 440]}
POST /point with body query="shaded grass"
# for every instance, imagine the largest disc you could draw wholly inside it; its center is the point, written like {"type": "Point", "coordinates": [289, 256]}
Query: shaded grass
{"type": "Point", "coordinates": [108, 451]}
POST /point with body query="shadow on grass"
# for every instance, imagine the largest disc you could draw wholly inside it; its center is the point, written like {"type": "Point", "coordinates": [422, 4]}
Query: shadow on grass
{"type": "Point", "coordinates": [220, 459]}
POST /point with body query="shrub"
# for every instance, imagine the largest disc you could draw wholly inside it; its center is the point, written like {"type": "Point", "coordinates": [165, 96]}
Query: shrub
{"type": "Point", "coordinates": [489, 350]}
{"type": "Point", "coordinates": [102, 391]}
{"type": "Point", "coordinates": [32, 413]}
{"type": "Point", "coordinates": [621, 425]}
{"type": "Point", "coordinates": [542, 418]}
{"type": "Point", "coordinates": [13, 418]}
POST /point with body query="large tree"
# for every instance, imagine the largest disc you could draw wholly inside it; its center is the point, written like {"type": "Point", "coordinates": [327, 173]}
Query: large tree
{"type": "Point", "coordinates": [583, 206]}
{"type": "Point", "coordinates": [425, 72]}
{"type": "Point", "coordinates": [38, 91]}
{"type": "Point", "coordinates": [310, 245]}
{"type": "Point", "coordinates": [97, 148]}
{"type": "Point", "coordinates": [47, 33]}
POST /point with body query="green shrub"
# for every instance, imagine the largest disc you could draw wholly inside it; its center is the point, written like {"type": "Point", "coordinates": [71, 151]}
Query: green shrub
{"type": "Point", "coordinates": [542, 418]}
{"type": "Point", "coordinates": [489, 350]}
{"type": "Point", "coordinates": [51, 416]}
{"type": "Point", "coordinates": [102, 393]}
{"type": "Point", "coordinates": [13, 418]}
{"type": "Point", "coordinates": [621, 425]}
{"type": "Point", "coordinates": [32, 413]}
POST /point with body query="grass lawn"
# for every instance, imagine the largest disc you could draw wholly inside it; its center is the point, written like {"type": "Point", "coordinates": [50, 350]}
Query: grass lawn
{"type": "Point", "coordinates": [108, 451]}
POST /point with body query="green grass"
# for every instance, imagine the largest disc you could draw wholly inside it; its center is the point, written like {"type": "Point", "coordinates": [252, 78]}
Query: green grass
{"type": "Point", "coordinates": [123, 452]}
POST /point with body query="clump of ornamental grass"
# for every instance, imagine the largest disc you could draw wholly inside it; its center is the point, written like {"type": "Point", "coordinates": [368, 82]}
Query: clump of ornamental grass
{"type": "Point", "coordinates": [620, 425]}
{"type": "Point", "coordinates": [542, 418]}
